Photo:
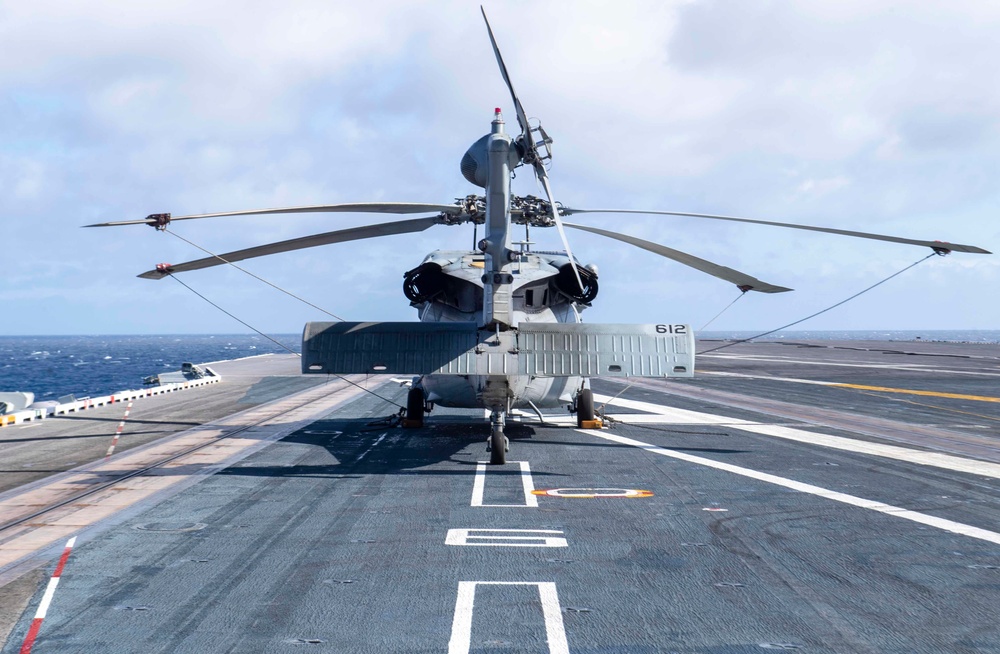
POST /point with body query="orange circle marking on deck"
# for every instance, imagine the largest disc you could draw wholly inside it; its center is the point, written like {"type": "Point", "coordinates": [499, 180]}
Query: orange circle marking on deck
{"type": "Point", "coordinates": [590, 493]}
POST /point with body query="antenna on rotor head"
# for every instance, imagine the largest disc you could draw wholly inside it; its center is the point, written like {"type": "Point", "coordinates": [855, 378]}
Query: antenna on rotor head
{"type": "Point", "coordinates": [497, 121]}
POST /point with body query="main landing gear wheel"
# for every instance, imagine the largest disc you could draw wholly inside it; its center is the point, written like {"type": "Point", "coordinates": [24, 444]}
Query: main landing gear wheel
{"type": "Point", "coordinates": [498, 447]}
{"type": "Point", "coordinates": [584, 406]}
{"type": "Point", "coordinates": [414, 408]}
{"type": "Point", "coordinates": [498, 444]}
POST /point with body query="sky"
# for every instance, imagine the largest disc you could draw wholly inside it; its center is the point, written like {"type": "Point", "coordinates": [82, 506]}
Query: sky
{"type": "Point", "coordinates": [862, 115]}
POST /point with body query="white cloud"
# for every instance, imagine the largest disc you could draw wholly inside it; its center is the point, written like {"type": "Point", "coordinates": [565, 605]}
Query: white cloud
{"type": "Point", "coordinates": [821, 187]}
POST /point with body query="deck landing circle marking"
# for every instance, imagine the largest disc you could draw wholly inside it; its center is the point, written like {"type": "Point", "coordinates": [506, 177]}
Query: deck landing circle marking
{"type": "Point", "coordinates": [591, 493]}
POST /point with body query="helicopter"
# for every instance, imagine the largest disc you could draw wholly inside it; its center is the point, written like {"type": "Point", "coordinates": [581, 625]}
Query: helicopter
{"type": "Point", "coordinates": [499, 326]}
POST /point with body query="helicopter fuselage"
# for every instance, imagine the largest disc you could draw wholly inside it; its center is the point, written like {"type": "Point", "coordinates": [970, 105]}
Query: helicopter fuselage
{"type": "Point", "coordinates": [450, 286]}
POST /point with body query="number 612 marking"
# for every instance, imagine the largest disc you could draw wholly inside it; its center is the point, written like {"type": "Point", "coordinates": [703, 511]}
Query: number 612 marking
{"type": "Point", "coordinates": [671, 329]}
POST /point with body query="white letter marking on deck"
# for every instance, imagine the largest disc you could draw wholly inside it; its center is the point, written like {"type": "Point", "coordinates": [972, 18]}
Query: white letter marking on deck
{"type": "Point", "coordinates": [479, 486]}
{"type": "Point", "coordinates": [502, 538]}
{"type": "Point", "coordinates": [461, 627]}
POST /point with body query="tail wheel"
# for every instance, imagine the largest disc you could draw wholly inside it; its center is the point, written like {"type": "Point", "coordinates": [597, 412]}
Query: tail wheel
{"type": "Point", "coordinates": [584, 406]}
{"type": "Point", "coordinates": [414, 408]}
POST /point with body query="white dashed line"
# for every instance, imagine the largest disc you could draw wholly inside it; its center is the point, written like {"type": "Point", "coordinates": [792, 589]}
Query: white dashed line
{"type": "Point", "coordinates": [118, 431]}
{"type": "Point", "coordinates": [373, 445]}
{"type": "Point", "coordinates": [50, 591]}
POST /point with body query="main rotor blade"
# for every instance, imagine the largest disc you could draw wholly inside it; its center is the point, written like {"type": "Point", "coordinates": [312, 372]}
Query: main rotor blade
{"type": "Point", "coordinates": [339, 236]}
{"type": "Point", "coordinates": [742, 280]}
{"type": "Point", "coordinates": [354, 207]}
{"type": "Point", "coordinates": [531, 153]}
{"type": "Point", "coordinates": [935, 245]}
{"type": "Point", "coordinates": [522, 119]}
{"type": "Point", "coordinates": [543, 177]}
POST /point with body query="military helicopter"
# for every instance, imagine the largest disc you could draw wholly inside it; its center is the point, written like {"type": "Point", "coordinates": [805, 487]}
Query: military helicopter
{"type": "Point", "coordinates": [499, 328]}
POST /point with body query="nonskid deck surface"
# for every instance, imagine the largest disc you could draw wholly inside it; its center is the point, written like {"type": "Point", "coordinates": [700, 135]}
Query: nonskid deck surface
{"type": "Point", "coordinates": [34, 450]}
{"type": "Point", "coordinates": [780, 513]}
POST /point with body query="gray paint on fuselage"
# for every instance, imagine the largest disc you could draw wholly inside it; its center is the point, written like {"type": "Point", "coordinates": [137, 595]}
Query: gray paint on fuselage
{"type": "Point", "coordinates": [482, 391]}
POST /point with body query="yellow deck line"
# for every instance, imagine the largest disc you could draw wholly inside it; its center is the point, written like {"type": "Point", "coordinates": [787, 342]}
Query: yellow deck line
{"type": "Point", "coordinates": [883, 389]}
{"type": "Point", "coordinates": [906, 391]}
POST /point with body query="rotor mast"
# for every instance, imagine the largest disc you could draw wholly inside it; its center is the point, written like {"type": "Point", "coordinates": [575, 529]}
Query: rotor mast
{"type": "Point", "coordinates": [498, 281]}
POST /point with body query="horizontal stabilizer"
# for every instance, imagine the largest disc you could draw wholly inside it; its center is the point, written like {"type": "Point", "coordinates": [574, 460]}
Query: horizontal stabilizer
{"type": "Point", "coordinates": [535, 349]}
{"type": "Point", "coordinates": [606, 350]}
{"type": "Point", "coordinates": [398, 348]}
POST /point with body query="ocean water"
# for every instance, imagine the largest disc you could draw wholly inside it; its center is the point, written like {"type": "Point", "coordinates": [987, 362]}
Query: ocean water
{"type": "Point", "coordinates": [53, 366]}
{"type": "Point", "coordinates": [91, 366]}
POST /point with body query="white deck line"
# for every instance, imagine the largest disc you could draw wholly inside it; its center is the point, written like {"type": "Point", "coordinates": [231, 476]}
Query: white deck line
{"type": "Point", "coordinates": [933, 459]}
{"type": "Point", "coordinates": [914, 516]}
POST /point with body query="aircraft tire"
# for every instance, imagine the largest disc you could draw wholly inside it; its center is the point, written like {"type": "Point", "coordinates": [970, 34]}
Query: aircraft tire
{"type": "Point", "coordinates": [584, 406]}
{"type": "Point", "coordinates": [498, 448]}
{"type": "Point", "coordinates": [415, 408]}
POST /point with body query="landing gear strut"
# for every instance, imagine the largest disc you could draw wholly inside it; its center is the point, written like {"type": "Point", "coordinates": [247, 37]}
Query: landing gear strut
{"type": "Point", "coordinates": [498, 444]}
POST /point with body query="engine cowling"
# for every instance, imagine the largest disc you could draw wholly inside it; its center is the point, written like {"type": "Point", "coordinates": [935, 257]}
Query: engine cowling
{"type": "Point", "coordinates": [566, 283]}
{"type": "Point", "coordinates": [424, 282]}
